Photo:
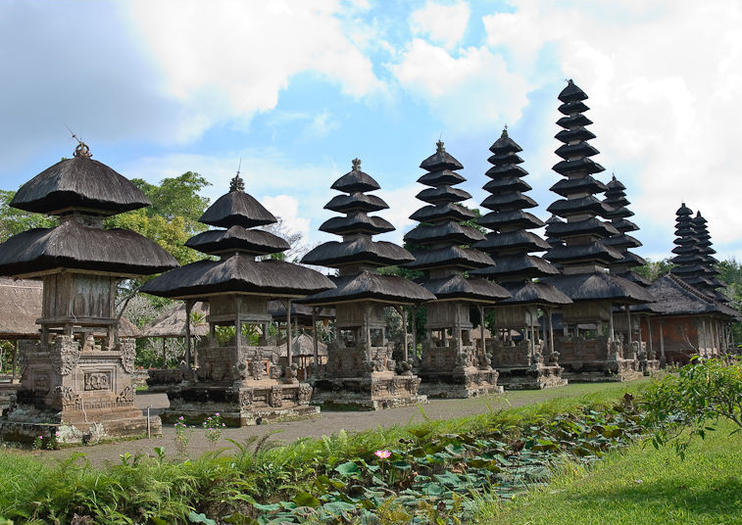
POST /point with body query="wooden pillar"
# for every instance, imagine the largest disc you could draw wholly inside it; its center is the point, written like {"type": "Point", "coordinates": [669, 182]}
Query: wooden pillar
{"type": "Point", "coordinates": [288, 332]}
{"type": "Point", "coordinates": [212, 334]}
{"type": "Point", "coordinates": [551, 330]}
{"type": "Point", "coordinates": [703, 339]}
{"type": "Point", "coordinates": [628, 322]}
{"type": "Point", "coordinates": [237, 326]}
{"type": "Point", "coordinates": [663, 359]}
{"type": "Point", "coordinates": [413, 315]}
{"type": "Point", "coordinates": [188, 308]}
{"type": "Point", "coordinates": [611, 330]}
{"type": "Point", "coordinates": [649, 335]}
{"type": "Point", "coordinates": [15, 360]}
{"type": "Point", "coordinates": [544, 338]}
{"type": "Point", "coordinates": [315, 342]}
{"type": "Point", "coordinates": [481, 329]}
{"type": "Point", "coordinates": [405, 338]}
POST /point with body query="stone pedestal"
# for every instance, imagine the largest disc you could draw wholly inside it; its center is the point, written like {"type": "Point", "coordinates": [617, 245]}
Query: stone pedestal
{"type": "Point", "coordinates": [455, 371]}
{"type": "Point", "coordinates": [596, 360]}
{"type": "Point", "coordinates": [521, 369]}
{"type": "Point", "coordinates": [364, 378]}
{"type": "Point", "coordinates": [76, 393]}
{"type": "Point", "coordinates": [246, 386]}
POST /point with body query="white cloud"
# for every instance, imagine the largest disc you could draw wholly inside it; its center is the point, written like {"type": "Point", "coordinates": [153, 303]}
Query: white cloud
{"type": "Point", "coordinates": [232, 58]}
{"type": "Point", "coordinates": [664, 86]}
{"type": "Point", "coordinates": [287, 208]}
{"type": "Point", "coordinates": [470, 92]}
{"type": "Point", "coordinates": [445, 24]}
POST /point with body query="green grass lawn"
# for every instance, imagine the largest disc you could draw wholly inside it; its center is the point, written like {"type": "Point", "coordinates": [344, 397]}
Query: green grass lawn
{"type": "Point", "coordinates": [640, 485]}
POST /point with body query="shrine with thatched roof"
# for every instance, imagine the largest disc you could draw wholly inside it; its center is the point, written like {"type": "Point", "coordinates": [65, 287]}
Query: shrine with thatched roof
{"type": "Point", "coordinates": [531, 362]}
{"type": "Point", "coordinates": [584, 257]}
{"type": "Point", "coordinates": [451, 365]}
{"type": "Point", "coordinates": [361, 370]}
{"type": "Point", "coordinates": [238, 372]}
{"type": "Point", "coordinates": [76, 382]}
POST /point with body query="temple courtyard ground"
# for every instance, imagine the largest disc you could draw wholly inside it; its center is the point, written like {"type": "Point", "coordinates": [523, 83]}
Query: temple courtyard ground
{"type": "Point", "coordinates": [325, 423]}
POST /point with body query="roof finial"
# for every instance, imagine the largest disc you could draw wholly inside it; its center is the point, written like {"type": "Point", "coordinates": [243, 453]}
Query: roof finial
{"type": "Point", "coordinates": [81, 150]}
{"type": "Point", "coordinates": [613, 175]}
{"type": "Point", "coordinates": [505, 131]}
{"type": "Point", "coordinates": [237, 184]}
{"type": "Point", "coordinates": [439, 147]}
{"type": "Point", "coordinates": [356, 164]}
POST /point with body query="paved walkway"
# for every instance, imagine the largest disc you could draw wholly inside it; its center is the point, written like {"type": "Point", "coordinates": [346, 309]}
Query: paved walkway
{"type": "Point", "coordinates": [325, 423]}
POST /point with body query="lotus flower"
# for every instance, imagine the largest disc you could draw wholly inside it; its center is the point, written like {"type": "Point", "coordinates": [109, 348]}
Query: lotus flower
{"type": "Point", "coordinates": [383, 454]}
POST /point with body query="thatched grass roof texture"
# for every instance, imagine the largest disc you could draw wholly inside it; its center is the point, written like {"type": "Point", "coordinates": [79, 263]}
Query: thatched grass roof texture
{"type": "Point", "coordinates": [675, 297]}
{"type": "Point", "coordinates": [171, 322]}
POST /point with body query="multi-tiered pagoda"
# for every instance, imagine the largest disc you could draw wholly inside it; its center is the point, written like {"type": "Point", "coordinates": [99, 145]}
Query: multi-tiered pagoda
{"type": "Point", "coordinates": [708, 261]}
{"type": "Point", "coordinates": [585, 258]}
{"type": "Point", "coordinates": [689, 261]}
{"type": "Point", "coordinates": [451, 364]}
{"type": "Point", "coordinates": [361, 371]}
{"type": "Point", "coordinates": [239, 374]}
{"type": "Point", "coordinates": [76, 382]}
{"type": "Point", "coordinates": [531, 362]}
{"type": "Point", "coordinates": [615, 198]}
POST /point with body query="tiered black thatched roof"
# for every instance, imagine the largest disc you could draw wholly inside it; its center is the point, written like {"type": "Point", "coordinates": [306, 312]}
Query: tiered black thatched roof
{"type": "Point", "coordinates": [510, 244]}
{"type": "Point", "coordinates": [584, 252]}
{"type": "Point", "coordinates": [709, 262]}
{"type": "Point", "coordinates": [441, 242]}
{"type": "Point", "coordinates": [674, 296]}
{"type": "Point", "coordinates": [81, 190]}
{"type": "Point", "coordinates": [300, 313]}
{"type": "Point", "coordinates": [237, 271]}
{"type": "Point", "coordinates": [615, 197]}
{"type": "Point", "coordinates": [688, 260]}
{"type": "Point", "coordinates": [358, 255]}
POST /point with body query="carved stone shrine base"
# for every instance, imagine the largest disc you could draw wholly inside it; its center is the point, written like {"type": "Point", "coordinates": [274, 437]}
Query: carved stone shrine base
{"type": "Point", "coordinates": [447, 372]}
{"type": "Point", "coordinates": [380, 390]}
{"type": "Point", "coordinates": [250, 402]}
{"type": "Point", "coordinates": [76, 395]}
{"type": "Point", "coordinates": [521, 368]}
{"type": "Point", "coordinates": [7, 394]}
{"type": "Point", "coordinates": [597, 360]}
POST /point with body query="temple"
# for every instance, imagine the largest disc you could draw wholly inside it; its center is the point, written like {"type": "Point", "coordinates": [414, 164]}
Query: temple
{"type": "Point", "coordinates": [361, 372]}
{"type": "Point", "coordinates": [450, 364]}
{"type": "Point", "coordinates": [589, 350]}
{"type": "Point", "coordinates": [238, 372]}
{"type": "Point", "coordinates": [530, 362]}
{"type": "Point", "coordinates": [76, 381]}
{"type": "Point", "coordinates": [690, 317]}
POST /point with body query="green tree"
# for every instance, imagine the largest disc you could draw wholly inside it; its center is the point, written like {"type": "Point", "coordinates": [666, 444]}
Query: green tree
{"type": "Point", "coordinates": [653, 270]}
{"type": "Point", "coordinates": [14, 221]}
{"type": "Point", "coordinates": [730, 273]}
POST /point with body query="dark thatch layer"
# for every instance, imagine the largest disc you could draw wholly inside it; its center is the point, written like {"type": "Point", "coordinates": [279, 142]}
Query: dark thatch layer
{"type": "Point", "coordinates": [676, 297]}
{"type": "Point", "coordinates": [567, 167]}
{"type": "Point", "coordinates": [238, 273]}
{"type": "Point", "coordinates": [237, 208]}
{"type": "Point", "coordinates": [356, 223]}
{"type": "Point", "coordinates": [592, 226]}
{"type": "Point", "coordinates": [441, 178]}
{"type": "Point", "coordinates": [571, 93]}
{"type": "Point", "coordinates": [524, 240]}
{"type": "Point", "coordinates": [508, 183]}
{"type": "Point", "coordinates": [506, 170]}
{"type": "Point", "coordinates": [424, 234]}
{"type": "Point", "coordinates": [519, 219]}
{"type": "Point", "coordinates": [237, 238]}
{"type": "Point", "coordinates": [472, 289]}
{"type": "Point", "coordinates": [367, 285]}
{"type": "Point", "coordinates": [568, 207]}
{"type": "Point", "coordinates": [443, 194]}
{"type": "Point", "coordinates": [79, 183]}
{"type": "Point", "coordinates": [578, 133]}
{"type": "Point", "coordinates": [588, 184]}
{"type": "Point", "coordinates": [521, 265]}
{"type": "Point", "coordinates": [599, 286]}
{"type": "Point", "coordinates": [452, 211]}
{"type": "Point", "coordinates": [74, 246]}
{"type": "Point", "coordinates": [356, 202]}
{"type": "Point", "coordinates": [359, 250]}
{"type": "Point", "coordinates": [355, 181]}
{"type": "Point", "coordinates": [450, 256]}
{"type": "Point", "coordinates": [171, 322]}
{"type": "Point", "coordinates": [534, 293]}
{"type": "Point", "coordinates": [635, 278]}
{"type": "Point", "coordinates": [583, 252]}
{"type": "Point", "coordinates": [300, 313]}
{"type": "Point", "coordinates": [508, 201]}
{"type": "Point", "coordinates": [441, 160]}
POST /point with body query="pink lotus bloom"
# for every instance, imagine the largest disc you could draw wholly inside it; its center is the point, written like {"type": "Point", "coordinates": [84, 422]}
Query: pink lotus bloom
{"type": "Point", "coordinates": [383, 454]}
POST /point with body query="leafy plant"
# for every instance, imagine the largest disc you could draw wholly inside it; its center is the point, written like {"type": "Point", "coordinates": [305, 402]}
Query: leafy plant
{"type": "Point", "coordinates": [213, 428]}
{"type": "Point", "coordinates": [182, 436]}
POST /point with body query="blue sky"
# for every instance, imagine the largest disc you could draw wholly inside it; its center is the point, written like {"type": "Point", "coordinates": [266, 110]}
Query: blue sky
{"type": "Point", "coordinates": [296, 89]}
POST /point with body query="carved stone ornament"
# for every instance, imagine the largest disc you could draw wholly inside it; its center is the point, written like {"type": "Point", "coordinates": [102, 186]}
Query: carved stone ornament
{"type": "Point", "coordinates": [305, 393]}
{"type": "Point", "coordinates": [275, 398]}
{"type": "Point", "coordinates": [128, 350]}
{"type": "Point", "coordinates": [64, 355]}
{"type": "Point", "coordinates": [67, 397]}
{"type": "Point", "coordinates": [246, 398]}
{"type": "Point", "coordinates": [97, 381]}
{"type": "Point", "coordinates": [126, 397]}
{"type": "Point", "coordinates": [257, 367]}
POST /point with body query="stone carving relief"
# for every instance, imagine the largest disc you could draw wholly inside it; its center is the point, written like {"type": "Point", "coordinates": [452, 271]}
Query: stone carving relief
{"type": "Point", "coordinates": [275, 398]}
{"type": "Point", "coordinates": [257, 368]}
{"type": "Point", "coordinates": [67, 398]}
{"type": "Point", "coordinates": [64, 354]}
{"type": "Point", "coordinates": [98, 381]}
{"type": "Point", "coordinates": [128, 350]}
{"type": "Point", "coordinates": [126, 397]}
{"type": "Point", "coordinates": [246, 398]}
{"type": "Point", "coordinates": [305, 393]}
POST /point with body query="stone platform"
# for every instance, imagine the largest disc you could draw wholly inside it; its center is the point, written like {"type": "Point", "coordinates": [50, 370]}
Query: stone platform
{"type": "Point", "coordinates": [597, 360]}
{"type": "Point", "coordinates": [521, 368]}
{"type": "Point", "coordinates": [447, 372]}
